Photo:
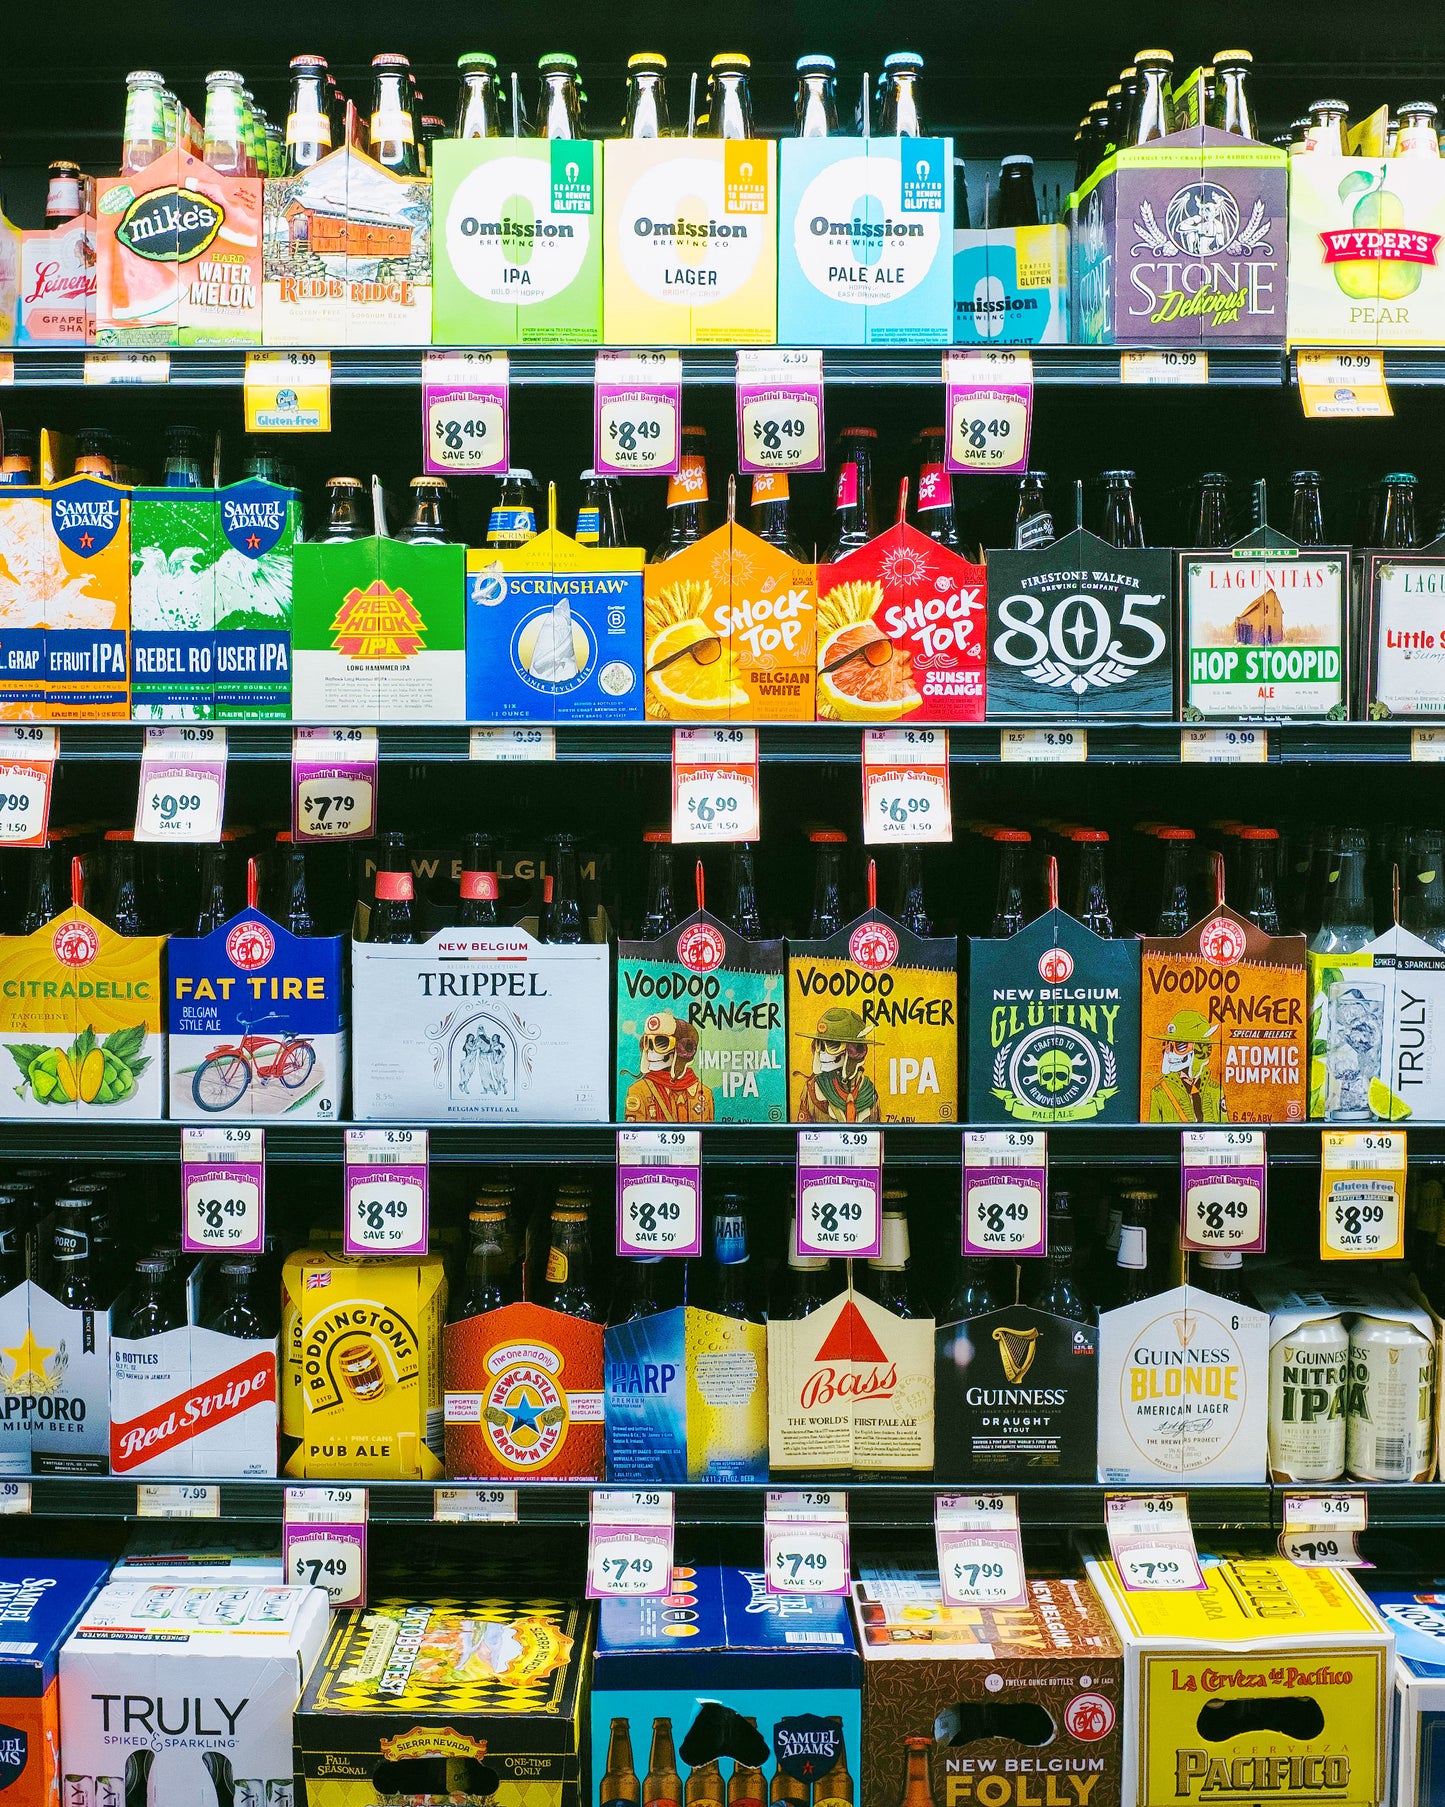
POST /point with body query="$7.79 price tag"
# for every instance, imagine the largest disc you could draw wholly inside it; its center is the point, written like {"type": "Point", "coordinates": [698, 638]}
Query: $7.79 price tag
{"type": "Point", "coordinates": [629, 1544]}
{"type": "Point", "coordinates": [637, 413]}
{"type": "Point", "coordinates": [1005, 1192]}
{"type": "Point", "coordinates": [27, 772]}
{"type": "Point", "coordinates": [805, 1543]}
{"type": "Point", "coordinates": [840, 1192]}
{"type": "Point", "coordinates": [182, 785]}
{"type": "Point", "coordinates": [1152, 1542]}
{"type": "Point", "coordinates": [1320, 1530]}
{"type": "Point", "coordinates": [659, 1184]}
{"type": "Point", "coordinates": [714, 784]}
{"type": "Point", "coordinates": [224, 1182]}
{"type": "Point", "coordinates": [905, 785]}
{"type": "Point", "coordinates": [980, 1552]}
{"type": "Point", "coordinates": [1221, 1189]}
{"type": "Point", "coordinates": [386, 1192]}
{"type": "Point", "coordinates": [464, 413]}
{"type": "Point", "coordinates": [324, 1541]}
{"type": "Point", "coordinates": [1362, 1194]}
{"type": "Point", "coordinates": [333, 784]}
{"type": "Point", "coordinates": [989, 410]}
{"type": "Point", "coordinates": [780, 410]}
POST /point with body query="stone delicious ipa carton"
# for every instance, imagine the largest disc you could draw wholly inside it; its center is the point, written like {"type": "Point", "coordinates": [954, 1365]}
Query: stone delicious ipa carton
{"type": "Point", "coordinates": [864, 229]}
{"type": "Point", "coordinates": [41, 1600]}
{"type": "Point", "coordinates": [1376, 1031]}
{"type": "Point", "coordinates": [1404, 639]}
{"type": "Point", "coordinates": [58, 284]}
{"type": "Point", "coordinates": [517, 226]}
{"type": "Point", "coordinates": [1011, 285]}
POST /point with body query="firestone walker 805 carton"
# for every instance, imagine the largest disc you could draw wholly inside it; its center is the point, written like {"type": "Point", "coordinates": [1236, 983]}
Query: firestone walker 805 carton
{"type": "Point", "coordinates": [40, 1602]}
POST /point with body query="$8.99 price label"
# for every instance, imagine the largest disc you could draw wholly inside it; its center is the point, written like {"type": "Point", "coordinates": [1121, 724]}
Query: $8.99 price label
{"type": "Point", "coordinates": [714, 785]}
{"type": "Point", "coordinates": [465, 411]}
{"type": "Point", "coordinates": [1152, 1542]}
{"type": "Point", "coordinates": [989, 410]}
{"type": "Point", "coordinates": [223, 1179]}
{"type": "Point", "coordinates": [386, 1192]}
{"type": "Point", "coordinates": [1362, 1194]}
{"type": "Point", "coordinates": [840, 1192]}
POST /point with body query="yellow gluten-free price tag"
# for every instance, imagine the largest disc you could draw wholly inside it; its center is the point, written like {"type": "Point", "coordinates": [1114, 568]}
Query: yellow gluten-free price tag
{"type": "Point", "coordinates": [1343, 385]}
{"type": "Point", "coordinates": [1362, 1194]}
{"type": "Point", "coordinates": [288, 391]}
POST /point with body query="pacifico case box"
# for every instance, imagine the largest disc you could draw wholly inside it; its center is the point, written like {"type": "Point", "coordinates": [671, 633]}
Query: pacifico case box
{"type": "Point", "coordinates": [676, 1680]}
{"type": "Point", "coordinates": [455, 1697]}
{"type": "Point", "coordinates": [379, 632]}
{"type": "Point", "coordinates": [1418, 1624]}
{"type": "Point", "coordinates": [1273, 1683]}
{"type": "Point", "coordinates": [1019, 1704]}
{"type": "Point", "coordinates": [361, 1339]}
{"type": "Point", "coordinates": [864, 229]}
{"type": "Point", "coordinates": [1377, 1031]}
{"type": "Point", "coordinates": [58, 285]}
{"type": "Point", "coordinates": [41, 1599]}
{"type": "Point", "coordinates": [690, 235]}
{"type": "Point", "coordinates": [522, 1396]}
{"type": "Point", "coordinates": [177, 1692]}
{"type": "Point", "coordinates": [1011, 285]}
{"type": "Point", "coordinates": [1404, 636]}
{"type": "Point", "coordinates": [517, 227]}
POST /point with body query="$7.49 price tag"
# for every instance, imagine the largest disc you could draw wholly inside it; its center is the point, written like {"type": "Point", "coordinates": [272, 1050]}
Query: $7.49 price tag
{"type": "Point", "coordinates": [659, 1184]}
{"type": "Point", "coordinates": [1320, 1530]}
{"type": "Point", "coordinates": [182, 785]}
{"type": "Point", "coordinates": [386, 1192]}
{"type": "Point", "coordinates": [333, 784]}
{"type": "Point", "coordinates": [805, 1543]}
{"type": "Point", "coordinates": [714, 784]}
{"type": "Point", "coordinates": [980, 1552]}
{"type": "Point", "coordinates": [465, 413]}
{"type": "Point", "coordinates": [840, 1192]}
{"type": "Point", "coordinates": [905, 786]}
{"type": "Point", "coordinates": [27, 773]}
{"type": "Point", "coordinates": [324, 1541]}
{"type": "Point", "coordinates": [1362, 1194]}
{"type": "Point", "coordinates": [637, 413]}
{"type": "Point", "coordinates": [1221, 1190]}
{"type": "Point", "coordinates": [989, 410]}
{"type": "Point", "coordinates": [1152, 1542]}
{"type": "Point", "coordinates": [224, 1182]}
{"type": "Point", "coordinates": [629, 1544]}
{"type": "Point", "coordinates": [1005, 1189]}
{"type": "Point", "coordinates": [780, 410]}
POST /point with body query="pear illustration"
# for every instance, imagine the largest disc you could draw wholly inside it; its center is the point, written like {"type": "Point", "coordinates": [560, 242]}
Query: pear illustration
{"type": "Point", "coordinates": [1369, 278]}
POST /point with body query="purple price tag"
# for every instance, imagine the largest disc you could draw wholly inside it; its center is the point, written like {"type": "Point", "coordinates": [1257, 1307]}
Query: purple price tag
{"type": "Point", "coordinates": [989, 411]}
{"type": "Point", "coordinates": [333, 784]}
{"type": "Point", "coordinates": [840, 1211]}
{"type": "Point", "coordinates": [780, 411]}
{"type": "Point", "coordinates": [466, 419]}
{"type": "Point", "coordinates": [225, 1208]}
{"type": "Point", "coordinates": [386, 1209]}
{"type": "Point", "coordinates": [330, 1556]}
{"type": "Point", "coordinates": [637, 414]}
{"type": "Point", "coordinates": [1221, 1190]}
{"type": "Point", "coordinates": [657, 1211]}
{"type": "Point", "coordinates": [1004, 1212]}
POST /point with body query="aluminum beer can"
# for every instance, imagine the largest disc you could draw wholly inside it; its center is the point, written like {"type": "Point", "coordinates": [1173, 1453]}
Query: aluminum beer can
{"type": "Point", "coordinates": [1308, 1369]}
{"type": "Point", "coordinates": [79, 1792]}
{"type": "Point", "coordinates": [1389, 1432]}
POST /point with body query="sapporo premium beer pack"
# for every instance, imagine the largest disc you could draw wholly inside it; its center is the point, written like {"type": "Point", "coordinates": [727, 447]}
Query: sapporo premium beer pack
{"type": "Point", "coordinates": [41, 1600]}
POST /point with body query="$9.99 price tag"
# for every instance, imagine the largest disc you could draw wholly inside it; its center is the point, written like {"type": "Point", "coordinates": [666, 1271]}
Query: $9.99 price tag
{"type": "Point", "coordinates": [840, 1192]}
{"type": "Point", "coordinates": [659, 1183]}
{"type": "Point", "coordinates": [905, 785]}
{"type": "Point", "coordinates": [224, 1180]}
{"type": "Point", "coordinates": [182, 785]}
{"type": "Point", "coordinates": [1320, 1530]}
{"type": "Point", "coordinates": [27, 770]}
{"type": "Point", "coordinates": [637, 414]}
{"type": "Point", "coordinates": [805, 1543]}
{"type": "Point", "coordinates": [324, 1541]}
{"type": "Point", "coordinates": [464, 412]}
{"type": "Point", "coordinates": [989, 410]}
{"type": "Point", "coordinates": [1005, 1186]}
{"type": "Point", "coordinates": [980, 1553]}
{"type": "Point", "coordinates": [780, 410]}
{"type": "Point", "coordinates": [386, 1192]}
{"type": "Point", "coordinates": [1222, 1189]}
{"type": "Point", "coordinates": [714, 784]}
{"type": "Point", "coordinates": [1362, 1194]}
{"type": "Point", "coordinates": [333, 784]}
{"type": "Point", "coordinates": [629, 1544]}
{"type": "Point", "coordinates": [1152, 1542]}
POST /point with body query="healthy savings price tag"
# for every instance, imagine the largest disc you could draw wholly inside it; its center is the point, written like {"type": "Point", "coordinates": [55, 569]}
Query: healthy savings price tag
{"type": "Point", "coordinates": [386, 1192]}
{"type": "Point", "coordinates": [714, 784]}
{"type": "Point", "coordinates": [465, 413]}
{"type": "Point", "coordinates": [224, 1183]}
{"type": "Point", "coordinates": [905, 786]}
{"type": "Point", "coordinates": [27, 773]}
{"type": "Point", "coordinates": [780, 410]}
{"type": "Point", "coordinates": [637, 414]}
{"type": "Point", "coordinates": [989, 409]}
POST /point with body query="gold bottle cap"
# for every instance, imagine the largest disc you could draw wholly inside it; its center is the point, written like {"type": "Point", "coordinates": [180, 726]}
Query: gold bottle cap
{"type": "Point", "coordinates": [731, 59]}
{"type": "Point", "coordinates": [647, 59]}
{"type": "Point", "coordinates": [1153, 56]}
{"type": "Point", "coordinates": [1232, 56]}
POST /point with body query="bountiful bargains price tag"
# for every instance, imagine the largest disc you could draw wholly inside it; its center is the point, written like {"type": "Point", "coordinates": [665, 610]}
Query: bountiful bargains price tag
{"type": "Point", "coordinates": [1221, 1194]}
{"type": "Point", "coordinates": [465, 414]}
{"type": "Point", "coordinates": [629, 1544]}
{"type": "Point", "coordinates": [1223, 746]}
{"type": "Point", "coordinates": [989, 410]}
{"type": "Point", "coordinates": [805, 1543]}
{"type": "Point", "coordinates": [1043, 746]}
{"type": "Point", "coordinates": [1343, 385]}
{"type": "Point", "coordinates": [905, 785]}
{"type": "Point", "coordinates": [223, 1176]}
{"type": "Point", "coordinates": [474, 1506]}
{"type": "Point", "coordinates": [980, 1552]}
{"type": "Point", "coordinates": [659, 1185]}
{"type": "Point", "coordinates": [14, 1498]}
{"type": "Point", "coordinates": [27, 773]}
{"type": "Point", "coordinates": [1152, 1542]}
{"type": "Point", "coordinates": [106, 368]}
{"type": "Point", "coordinates": [1164, 367]}
{"type": "Point", "coordinates": [1005, 1189]}
{"type": "Point", "coordinates": [324, 1541]}
{"type": "Point", "coordinates": [182, 785]}
{"type": "Point", "coordinates": [780, 410]}
{"type": "Point", "coordinates": [176, 1500]}
{"type": "Point", "coordinates": [288, 391]}
{"type": "Point", "coordinates": [1320, 1530]}
{"type": "Point", "coordinates": [840, 1192]}
{"type": "Point", "coordinates": [637, 416]}
{"type": "Point", "coordinates": [513, 746]}
{"type": "Point", "coordinates": [333, 784]}
{"type": "Point", "coordinates": [1362, 1194]}
{"type": "Point", "coordinates": [714, 784]}
{"type": "Point", "coordinates": [386, 1192]}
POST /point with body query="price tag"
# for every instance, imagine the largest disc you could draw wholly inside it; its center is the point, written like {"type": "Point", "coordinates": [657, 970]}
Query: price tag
{"type": "Point", "coordinates": [1321, 1530]}
{"type": "Point", "coordinates": [324, 1541]}
{"type": "Point", "coordinates": [474, 1506]}
{"type": "Point", "coordinates": [805, 1543]}
{"type": "Point", "coordinates": [465, 413]}
{"type": "Point", "coordinates": [223, 1176]}
{"type": "Point", "coordinates": [27, 773]}
{"type": "Point", "coordinates": [7, 369]}
{"type": "Point", "coordinates": [333, 784]}
{"type": "Point", "coordinates": [288, 391]}
{"type": "Point", "coordinates": [1005, 1192]}
{"type": "Point", "coordinates": [1362, 1194]}
{"type": "Point", "coordinates": [989, 410]}
{"type": "Point", "coordinates": [1164, 367]}
{"type": "Point", "coordinates": [629, 1544]}
{"type": "Point", "coordinates": [1221, 1191]}
{"type": "Point", "coordinates": [513, 746]}
{"type": "Point", "coordinates": [182, 785]}
{"type": "Point", "coordinates": [905, 785]}
{"type": "Point", "coordinates": [659, 1185]}
{"type": "Point", "coordinates": [1343, 385]}
{"type": "Point", "coordinates": [386, 1192]}
{"type": "Point", "coordinates": [780, 410]}
{"type": "Point", "coordinates": [840, 1192]}
{"type": "Point", "coordinates": [714, 784]}
{"type": "Point", "coordinates": [637, 413]}
{"type": "Point", "coordinates": [1152, 1542]}
{"type": "Point", "coordinates": [176, 1500]}
{"type": "Point", "coordinates": [14, 1498]}
{"type": "Point", "coordinates": [107, 368]}
{"type": "Point", "coordinates": [1224, 746]}
{"type": "Point", "coordinates": [1043, 746]}
{"type": "Point", "coordinates": [1427, 746]}
{"type": "Point", "coordinates": [980, 1552]}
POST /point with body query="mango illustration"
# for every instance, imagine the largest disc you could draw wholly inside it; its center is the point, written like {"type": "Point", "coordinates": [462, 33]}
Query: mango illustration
{"type": "Point", "coordinates": [92, 1072]}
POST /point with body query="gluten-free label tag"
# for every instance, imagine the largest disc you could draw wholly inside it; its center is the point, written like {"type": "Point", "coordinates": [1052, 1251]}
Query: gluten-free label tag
{"type": "Point", "coordinates": [288, 391]}
{"type": "Point", "coordinates": [1362, 1194]}
{"type": "Point", "coordinates": [1343, 385]}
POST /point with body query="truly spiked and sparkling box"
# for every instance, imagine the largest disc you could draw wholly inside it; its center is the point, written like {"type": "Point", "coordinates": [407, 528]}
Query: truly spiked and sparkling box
{"type": "Point", "coordinates": [517, 231]}
{"type": "Point", "coordinates": [1376, 1031]}
{"type": "Point", "coordinates": [58, 284]}
{"type": "Point", "coordinates": [1011, 285]}
{"type": "Point", "coordinates": [41, 1600]}
{"type": "Point", "coordinates": [864, 229]}
{"type": "Point", "coordinates": [522, 1391]}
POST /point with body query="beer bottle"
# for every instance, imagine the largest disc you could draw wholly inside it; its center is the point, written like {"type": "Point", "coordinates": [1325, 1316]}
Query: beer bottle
{"type": "Point", "coordinates": [183, 459]}
{"type": "Point", "coordinates": [853, 491]}
{"type": "Point", "coordinates": [1151, 113]}
{"type": "Point", "coordinates": [910, 906]}
{"type": "Point", "coordinates": [120, 903]}
{"type": "Point", "coordinates": [308, 118]}
{"type": "Point", "coordinates": [662, 1783]}
{"type": "Point", "coordinates": [787, 1788]}
{"type": "Point", "coordinates": [835, 1787]}
{"type": "Point", "coordinates": [392, 136]}
{"type": "Point", "coordinates": [1096, 143]}
{"type": "Point", "coordinates": [1091, 897]}
{"type": "Point", "coordinates": [1210, 523]}
{"type": "Point", "coordinates": [425, 525]}
{"type": "Point", "coordinates": [769, 511]}
{"type": "Point", "coordinates": [567, 1284]}
{"type": "Point", "coordinates": [225, 149]}
{"type": "Point", "coordinates": [740, 910]}
{"type": "Point", "coordinates": [18, 464]}
{"type": "Point", "coordinates": [1418, 135]}
{"type": "Point", "coordinates": [973, 1289]}
{"type": "Point", "coordinates": [1422, 889]}
{"type": "Point", "coordinates": [513, 520]}
{"type": "Point", "coordinates": [1010, 910]}
{"type": "Point", "coordinates": [1229, 109]}
{"type": "Point", "coordinates": [747, 1786]}
{"type": "Point", "coordinates": [1175, 913]}
{"type": "Point", "coordinates": [1053, 1287]}
{"type": "Point", "coordinates": [480, 884]}
{"type": "Point", "coordinates": [1119, 98]}
{"type": "Point", "coordinates": [559, 111]}
{"type": "Point", "coordinates": [687, 510]}
{"type": "Point", "coordinates": [886, 1277]}
{"type": "Point", "coordinates": [94, 453]}
{"type": "Point", "coordinates": [566, 925]}
{"type": "Point", "coordinates": [1121, 520]}
{"type": "Point", "coordinates": [45, 895]}
{"type": "Point", "coordinates": [645, 1285]}
{"type": "Point", "coordinates": [1306, 516]}
{"type": "Point", "coordinates": [827, 917]}
{"type": "Point", "coordinates": [393, 909]}
{"type": "Point", "coordinates": [1220, 1272]}
{"type": "Point", "coordinates": [1018, 203]}
{"type": "Point", "coordinates": [144, 132]}
{"type": "Point", "coordinates": [72, 1256]}
{"type": "Point", "coordinates": [1346, 921]}
{"type": "Point", "coordinates": [244, 1307]}
{"type": "Point", "coordinates": [647, 97]}
{"type": "Point", "coordinates": [1257, 845]}
{"type": "Point", "coordinates": [933, 492]}
{"type": "Point", "coordinates": [730, 105]}
{"type": "Point", "coordinates": [62, 195]}
{"type": "Point", "coordinates": [15, 1220]}
{"type": "Point", "coordinates": [815, 111]}
{"type": "Point", "coordinates": [157, 1303]}
{"type": "Point", "coordinates": [216, 885]}
{"type": "Point", "coordinates": [661, 913]}
{"type": "Point", "coordinates": [1132, 1260]}
{"type": "Point", "coordinates": [343, 512]}
{"type": "Point", "coordinates": [917, 1790]}
{"type": "Point", "coordinates": [491, 1278]}
{"type": "Point", "coordinates": [479, 113]}
{"type": "Point", "coordinates": [290, 901]}
{"type": "Point", "coordinates": [599, 517]}
{"type": "Point", "coordinates": [619, 1782]}
{"type": "Point", "coordinates": [1397, 531]}
{"type": "Point", "coordinates": [1325, 134]}
{"type": "Point", "coordinates": [805, 1285]}
{"type": "Point", "coordinates": [705, 1785]}
{"type": "Point", "coordinates": [729, 1283]}
{"type": "Point", "coordinates": [898, 93]}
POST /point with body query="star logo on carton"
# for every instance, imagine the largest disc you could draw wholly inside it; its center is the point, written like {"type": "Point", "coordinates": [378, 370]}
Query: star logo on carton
{"type": "Point", "coordinates": [87, 540]}
{"type": "Point", "coordinates": [27, 1363]}
{"type": "Point", "coordinates": [378, 623]}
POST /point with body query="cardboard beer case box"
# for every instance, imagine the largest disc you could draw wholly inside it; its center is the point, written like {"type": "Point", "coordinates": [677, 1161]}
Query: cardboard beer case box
{"type": "Point", "coordinates": [455, 1697]}
{"type": "Point", "coordinates": [522, 1395]}
{"type": "Point", "coordinates": [1273, 1682]}
{"type": "Point", "coordinates": [257, 1021]}
{"type": "Point", "coordinates": [1417, 1621]}
{"type": "Point", "coordinates": [864, 241]}
{"type": "Point", "coordinates": [11, 239]}
{"type": "Point", "coordinates": [554, 628]}
{"type": "Point", "coordinates": [1021, 1706]}
{"type": "Point", "coordinates": [58, 284]}
{"type": "Point", "coordinates": [177, 1692]}
{"type": "Point", "coordinates": [1375, 1028]}
{"type": "Point", "coordinates": [1011, 285]}
{"type": "Point", "coordinates": [361, 1339]}
{"type": "Point", "coordinates": [1404, 634]}
{"type": "Point", "coordinates": [41, 1600]}
{"type": "Point", "coordinates": [677, 1678]}
{"type": "Point", "coordinates": [1079, 627]}
{"type": "Point", "coordinates": [690, 241]}
{"type": "Point", "coordinates": [517, 231]}
{"type": "Point", "coordinates": [379, 632]}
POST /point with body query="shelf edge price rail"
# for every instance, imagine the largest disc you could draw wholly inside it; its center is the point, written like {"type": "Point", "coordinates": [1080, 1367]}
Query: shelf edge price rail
{"type": "Point", "coordinates": [1321, 1530]}
{"type": "Point", "coordinates": [466, 413]}
{"type": "Point", "coordinates": [805, 1542]}
{"type": "Point", "coordinates": [780, 410]}
{"type": "Point", "coordinates": [1043, 746]}
{"type": "Point", "coordinates": [1152, 1542]}
{"type": "Point", "coordinates": [905, 786]}
{"type": "Point", "coordinates": [474, 1506]}
{"type": "Point", "coordinates": [1224, 746]}
{"type": "Point", "coordinates": [1222, 1175]}
{"type": "Point", "coordinates": [1362, 1194]}
{"type": "Point", "coordinates": [637, 414]}
{"type": "Point", "coordinates": [1005, 1193]}
{"type": "Point", "coordinates": [980, 1550]}
{"type": "Point", "coordinates": [177, 1499]}
{"type": "Point", "coordinates": [989, 410]}
{"type": "Point", "coordinates": [223, 1183]}
{"type": "Point", "coordinates": [659, 1192]}
{"type": "Point", "coordinates": [714, 785]}
{"type": "Point", "coordinates": [386, 1192]}
{"type": "Point", "coordinates": [323, 1541]}
{"type": "Point", "coordinates": [182, 795]}
{"type": "Point", "coordinates": [840, 1193]}
{"type": "Point", "coordinates": [27, 777]}
{"type": "Point", "coordinates": [334, 782]}
{"type": "Point", "coordinates": [629, 1543]}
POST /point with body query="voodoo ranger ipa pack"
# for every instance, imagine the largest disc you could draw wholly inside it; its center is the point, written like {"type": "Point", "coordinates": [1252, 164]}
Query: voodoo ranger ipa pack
{"type": "Point", "coordinates": [1273, 1683]}
{"type": "Point", "coordinates": [1019, 1706]}
{"type": "Point", "coordinates": [1404, 638]}
{"type": "Point", "coordinates": [40, 1602]}
{"type": "Point", "coordinates": [457, 1697]}
{"type": "Point", "coordinates": [1376, 1021]}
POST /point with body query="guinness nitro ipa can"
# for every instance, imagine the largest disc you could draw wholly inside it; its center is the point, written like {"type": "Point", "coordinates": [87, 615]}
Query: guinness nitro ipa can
{"type": "Point", "coordinates": [1390, 1400]}
{"type": "Point", "coordinates": [1307, 1373]}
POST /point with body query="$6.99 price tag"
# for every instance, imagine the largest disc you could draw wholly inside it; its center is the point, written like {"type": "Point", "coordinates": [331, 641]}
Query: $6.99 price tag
{"type": "Point", "coordinates": [1152, 1542]}
{"type": "Point", "coordinates": [714, 784]}
{"type": "Point", "coordinates": [805, 1543]}
{"type": "Point", "coordinates": [386, 1192]}
{"type": "Point", "coordinates": [629, 1543]}
{"type": "Point", "coordinates": [905, 785]}
{"type": "Point", "coordinates": [27, 770]}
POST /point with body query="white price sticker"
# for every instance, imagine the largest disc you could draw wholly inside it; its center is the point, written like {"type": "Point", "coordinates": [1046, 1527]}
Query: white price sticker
{"type": "Point", "coordinates": [14, 1498]}
{"type": "Point", "coordinates": [1427, 746]}
{"type": "Point", "coordinates": [905, 785]}
{"type": "Point", "coordinates": [1152, 1542]}
{"type": "Point", "coordinates": [513, 746]}
{"type": "Point", "coordinates": [107, 368]}
{"type": "Point", "coordinates": [177, 1500]}
{"type": "Point", "coordinates": [318, 1504]}
{"type": "Point", "coordinates": [1224, 746]}
{"type": "Point", "coordinates": [980, 1554]}
{"type": "Point", "coordinates": [805, 1543]}
{"type": "Point", "coordinates": [1321, 1529]}
{"type": "Point", "coordinates": [182, 785]}
{"type": "Point", "coordinates": [1043, 746]}
{"type": "Point", "coordinates": [839, 1193]}
{"type": "Point", "coordinates": [474, 1506]}
{"type": "Point", "coordinates": [27, 773]}
{"type": "Point", "coordinates": [714, 785]}
{"type": "Point", "coordinates": [1164, 367]}
{"type": "Point", "coordinates": [1362, 1194]}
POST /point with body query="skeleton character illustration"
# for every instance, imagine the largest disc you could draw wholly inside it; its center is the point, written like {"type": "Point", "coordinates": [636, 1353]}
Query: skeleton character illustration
{"type": "Point", "coordinates": [838, 1090]}
{"type": "Point", "coordinates": [1185, 1092]}
{"type": "Point", "coordinates": [669, 1089]}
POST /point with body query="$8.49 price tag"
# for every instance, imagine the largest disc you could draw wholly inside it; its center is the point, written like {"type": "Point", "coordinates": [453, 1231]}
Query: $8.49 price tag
{"type": "Point", "coordinates": [1221, 1189]}
{"type": "Point", "coordinates": [637, 413]}
{"type": "Point", "coordinates": [333, 784]}
{"type": "Point", "coordinates": [1320, 1530]}
{"type": "Point", "coordinates": [324, 1541]}
{"type": "Point", "coordinates": [714, 784]}
{"type": "Point", "coordinates": [1152, 1542]}
{"type": "Point", "coordinates": [1362, 1194]}
{"type": "Point", "coordinates": [386, 1192]}
{"type": "Point", "coordinates": [905, 785]}
{"type": "Point", "coordinates": [659, 1184]}
{"type": "Point", "coordinates": [27, 772]}
{"type": "Point", "coordinates": [224, 1180]}
{"type": "Point", "coordinates": [989, 410]}
{"type": "Point", "coordinates": [840, 1192]}
{"type": "Point", "coordinates": [629, 1544]}
{"type": "Point", "coordinates": [1005, 1188]}
{"type": "Point", "coordinates": [465, 414]}
{"type": "Point", "coordinates": [780, 410]}
{"type": "Point", "coordinates": [980, 1552]}
{"type": "Point", "coordinates": [805, 1543]}
{"type": "Point", "coordinates": [182, 785]}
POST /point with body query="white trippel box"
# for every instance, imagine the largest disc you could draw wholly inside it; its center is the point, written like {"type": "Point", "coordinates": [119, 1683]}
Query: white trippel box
{"type": "Point", "coordinates": [182, 1695]}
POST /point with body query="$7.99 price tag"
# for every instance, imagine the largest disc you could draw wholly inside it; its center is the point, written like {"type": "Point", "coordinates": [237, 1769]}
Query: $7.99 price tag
{"type": "Point", "coordinates": [805, 1543]}
{"type": "Point", "coordinates": [629, 1544]}
{"type": "Point", "coordinates": [714, 784]}
{"type": "Point", "coordinates": [1152, 1542]}
{"type": "Point", "coordinates": [905, 785]}
{"type": "Point", "coordinates": [637, 413]}
{"type": "Point", "coordinates": [182, 785]}
{"type": "Point", "coordinates": [27, 772]}
{"type": "Point", "coordinates": [386, 1192]}
{"type": "Point", "coordinates": [333, 784]}
{"type": "Point", "coordinates": [989, 410]}
{"type": "Point", "coordinates": [1221, 1190]}
{"type": "Point", "coordinates": [980, 1552]}
{"type": "Point", "coordinates": [840, 1192]}
{"type": "Point", "coordinates": [1362, 1194]}
{"type": "Point", "coordinates": [1320, 1530]}
{"type": "Point", "coordinates": [324, 1541]}
{"type": "Point", "coordinates": [1005, 1189]}
{"type": "Point", "coordinates": [780, 410]}
{"type": "Point", "coordinates": [464, 412]}
{"type": "Point", "coordinates": [659, 1184]}
{"type": "Point", "coordinates": [224, 1182]}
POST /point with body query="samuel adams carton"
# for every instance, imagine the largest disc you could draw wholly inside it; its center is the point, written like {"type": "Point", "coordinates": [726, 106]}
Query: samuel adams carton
{"type": "Point", "coordinates": [40, 1601]}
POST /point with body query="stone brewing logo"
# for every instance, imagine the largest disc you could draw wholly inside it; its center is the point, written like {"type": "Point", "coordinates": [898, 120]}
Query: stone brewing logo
{"type": "Point", "coordinates": [1202, 220]}
{"type": "Point", "coordinates": [170, 225]}
{"type": "Point", "coordinates": [701, 949]}
{"type": "Point", "coordinates": [873, 946]}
